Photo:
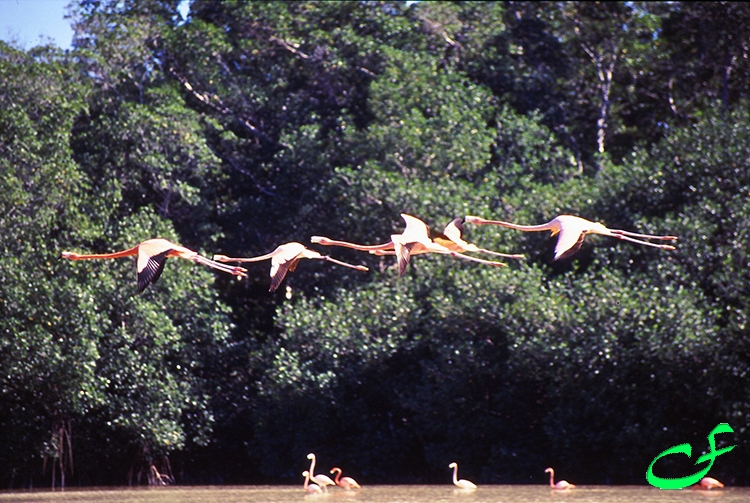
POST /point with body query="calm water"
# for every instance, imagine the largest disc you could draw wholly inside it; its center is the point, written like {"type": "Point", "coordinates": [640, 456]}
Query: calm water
{"type": "Point", "coordinates": [380, 494]}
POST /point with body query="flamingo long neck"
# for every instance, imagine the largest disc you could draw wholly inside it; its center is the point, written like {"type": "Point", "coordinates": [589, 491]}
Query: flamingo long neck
{"type": "Point", "coordinates": [125, 253]}
{"type": "Point", "coordinates": [338, 475]}
{"type": "Point", "coordinates": [455, 474]}
{"type": "Point", "coordinates": [552, 478]}
{"type": "Point", "coordinates": [252, 259]}
{"type": "Point", "coordinates": [527, 228]}
{"type": "Point", "coordinates": [346, 244]}
{"type": "Point", "coordinates": [307, 479]}
{"type": "Point", "coordinates": [312, 467]}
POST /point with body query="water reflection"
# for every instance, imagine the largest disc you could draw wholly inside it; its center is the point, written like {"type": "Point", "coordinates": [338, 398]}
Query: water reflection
{"type": "Point", "coordinates": [380, 494]}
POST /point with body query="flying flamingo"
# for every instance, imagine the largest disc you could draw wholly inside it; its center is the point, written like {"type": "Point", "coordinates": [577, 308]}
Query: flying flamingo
{"type": "Point", "coordinates": [321, 240]}
{"type": "Point", "coordinates": [463, 483]}
{"type": "Point", "coordinates": [310, 488]}
{"type": "Point", "coordinates": [152, 254]}
{"type": "Point", "coordinates": [322, 480]}
{"type": "Point", "coordinates": [416, 240]}
{"type": "Point", "coordinates": [345, 482]}
{"type": "Point", "coordinates": [413, 241]}
{"type": "Point", "coordinates": [572, 230]}
{"type": "Point", "coordinates": [561, 485]}
{"type": "Point", "coordinates": [708, 483]}
{"type": "Point", "coordinates": [285, 258]}
{"type": "Point", "coordinates": [452, 238]}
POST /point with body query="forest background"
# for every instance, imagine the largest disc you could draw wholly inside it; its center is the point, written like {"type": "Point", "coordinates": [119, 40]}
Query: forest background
{"type": "Point", "coordinates": [251, 124]}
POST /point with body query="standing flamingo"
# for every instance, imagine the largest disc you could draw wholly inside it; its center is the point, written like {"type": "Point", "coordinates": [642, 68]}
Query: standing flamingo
{"type": "Point", "coordinates": [572, 230]}
{"type": "Point", "coordinates": [285, 258]}
{"type": "Point", "coordinates": [452, 238]}
{"type": "Point", "coordinates": [345, 482]}
{"type": "Point", "coordinates": [322, 480]}
{"type": "Point", "coordinates": [310, 488]}
{"type": "Point", "coordinates": [152, 254]}
{"type": "Point", "coordinates": [708, 483]}
{"type": "Point", "coordinates": [463, 483]}
{"type": "Point", "coordinates": [561, 485]}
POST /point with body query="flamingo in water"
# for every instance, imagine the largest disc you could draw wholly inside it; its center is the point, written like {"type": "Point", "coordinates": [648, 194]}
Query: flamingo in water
{"type": "Point", "coordinates": [572, 230]}
{"type": "Point", "coordinates": [310, 488]}
{"type": "Point", "coordinates": [463, 483]}
{"type": "Point", "coordinates": [413, 241]}
{"type": "Point", "coordinates": [345, 482]}
{"type": "Point", "coordinates": [321, 479]}
{"type": "Point", "coordinates": [152, 254]}
{"type": "Point", "coordinates": [560, 485]}
{"type": "Point", "coordinates": [708, 483]}
{"type": "Point", "coordinates": [285, 258]}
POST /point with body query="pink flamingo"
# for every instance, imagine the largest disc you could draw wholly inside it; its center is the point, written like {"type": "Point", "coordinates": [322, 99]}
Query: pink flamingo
{"type": "Point", "coordinates": [285, 258]}
{"type": "Point", "coordinates": [572, 230]}
{"type": "Point", "coordinates": [310, 488]}
{"type": "Point", "coordinates": [414, 240]}
{"type": "Point", "coordinates": [152, 254]}
{"type": "Point", "coordinates": [322, 480]}
{"type": "Point", "coordinates": [452, 238]}
{"type": "Point", "coordinates": [345, 482]}
{"type": "Point", "coordinates": [708, 483]}
{"type": "Point", "coordinates": [463, 483]}
{"type": "Point", "coordinates": [561, 485]}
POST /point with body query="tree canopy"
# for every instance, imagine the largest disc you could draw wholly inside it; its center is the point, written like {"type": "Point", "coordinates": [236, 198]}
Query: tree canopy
{"type": "Point", "coordinates": [248, 124]}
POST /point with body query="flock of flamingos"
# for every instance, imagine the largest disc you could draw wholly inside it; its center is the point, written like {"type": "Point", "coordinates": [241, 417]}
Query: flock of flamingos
{"type": "Point", "coordinates": [414, 240]}
{"type": "Point", "coordinates": [318, 483]}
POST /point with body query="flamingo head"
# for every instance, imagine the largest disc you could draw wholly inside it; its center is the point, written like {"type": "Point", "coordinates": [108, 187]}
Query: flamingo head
{"type": "Point", "coordinates": [320, 239]}
{"type": "Point", "coordinates": [221, 258]}
{"type": "Point", "coordinates": [549, 470]}
{"type": "Point", "coordinates": [311, 456]}
{"type": "Point", "coordinates": [452, 465]}
{"type": "Point", "coordinates": [473, 220]}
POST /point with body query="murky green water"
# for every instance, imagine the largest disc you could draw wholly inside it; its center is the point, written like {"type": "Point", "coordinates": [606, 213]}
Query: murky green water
{"type": "Point", "coordinates": [380, 494]}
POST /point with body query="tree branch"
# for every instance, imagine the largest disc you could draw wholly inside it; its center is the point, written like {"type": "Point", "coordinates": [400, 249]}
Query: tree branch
{"type": "Point", "coordinates": [220, 107]}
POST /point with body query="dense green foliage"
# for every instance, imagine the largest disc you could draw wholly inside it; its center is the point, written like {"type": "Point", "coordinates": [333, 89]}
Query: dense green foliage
{"type": "Point", "coordinates": [252, 124]}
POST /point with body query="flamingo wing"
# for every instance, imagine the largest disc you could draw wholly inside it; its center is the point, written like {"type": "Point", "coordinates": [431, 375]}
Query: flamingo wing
{"type": "Point", "coordinates": [414, 226]}
{"type": "Point", "coordinates": [403, 253]}
{"type": "Point", "coordinates": [279, 270]}
{"type": "Point", "coordinates": [314, 488]}
{"type": "Point", "coordinates": [150, 267]}
{"type": "Point", "coordinates": [349, 483]}
{"type": "Point", "coordinates": [323, 480]}
{"type": "Point", "coordinates": [447, 242]}
{"type": "Point", "coordinates": [710, 483]}
{"type": "Point", "coordinates": [568, 243]}
{"type": "Point", "coordinates": [454, 231]}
